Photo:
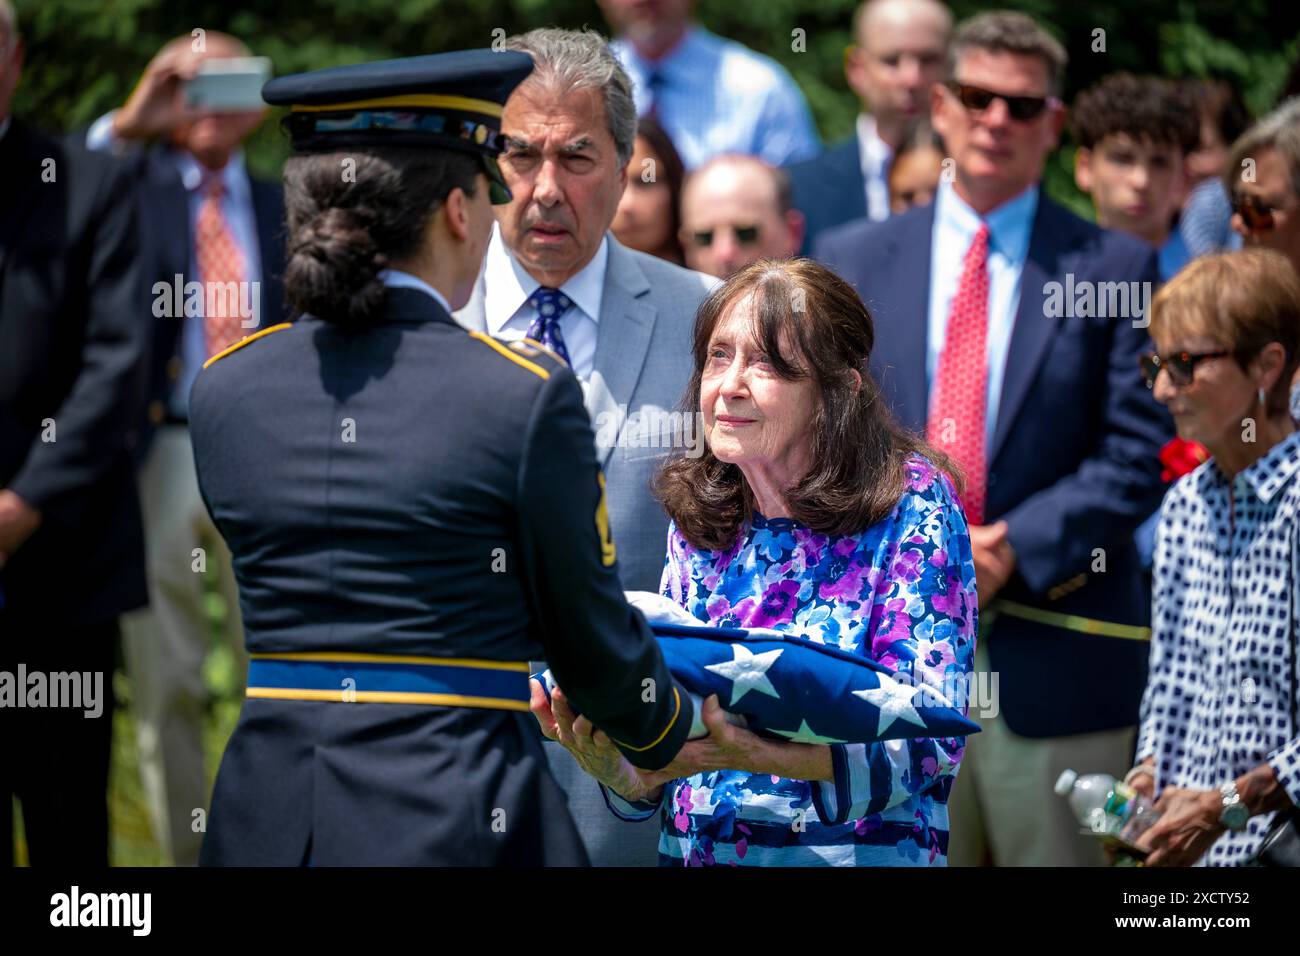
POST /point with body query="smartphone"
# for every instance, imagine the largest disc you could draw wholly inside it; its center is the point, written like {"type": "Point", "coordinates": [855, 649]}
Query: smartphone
{"type": "Point", "coordinates": [230, 84]}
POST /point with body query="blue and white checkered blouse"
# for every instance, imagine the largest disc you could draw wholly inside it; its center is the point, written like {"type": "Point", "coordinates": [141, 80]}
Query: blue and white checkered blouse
{"type": "Point", "coordinates": [1222, 692]}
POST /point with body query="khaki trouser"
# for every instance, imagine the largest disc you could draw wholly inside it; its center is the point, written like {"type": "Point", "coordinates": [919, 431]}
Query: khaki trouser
{"type": "Point", "coordinates": [164, 645]}
{"type": "Point", "coordinates": [1003, 810]}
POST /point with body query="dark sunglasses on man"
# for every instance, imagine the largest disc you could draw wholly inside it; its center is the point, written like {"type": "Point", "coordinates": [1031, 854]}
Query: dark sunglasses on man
{"type": "Point", "coordinates": [745, 236]}
{"type": "Point", "coordinates": [1257, 215]}
{"type": "Point", "coordinates": [1181, 366]}
{"type": "Point", "coordinates": [1023, 109]}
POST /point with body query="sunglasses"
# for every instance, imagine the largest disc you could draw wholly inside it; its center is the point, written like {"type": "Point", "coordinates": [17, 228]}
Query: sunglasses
{"type": "Point", "coordinates": [1257, 215]}
{"type": "Point", "coordinates": [745, 236]}
{"type": "Point", "coordinates": [1019, 108]}
{"type": "Point", "coordinates": [1181, 366]}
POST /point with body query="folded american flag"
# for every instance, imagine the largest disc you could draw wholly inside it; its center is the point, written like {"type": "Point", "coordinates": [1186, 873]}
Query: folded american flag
{"type": "Point", "coordinates": [790, 686]}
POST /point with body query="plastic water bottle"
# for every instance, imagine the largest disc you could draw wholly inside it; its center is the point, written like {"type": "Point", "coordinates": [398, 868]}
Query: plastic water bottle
{"type": "Point", "coordinates": [1105, 805]}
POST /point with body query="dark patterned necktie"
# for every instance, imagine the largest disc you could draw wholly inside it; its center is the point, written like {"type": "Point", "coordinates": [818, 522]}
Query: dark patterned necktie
{"type": "Point", "coordinates": [654, 84]}
{"type": "Point", "coordinates": [551, 305]}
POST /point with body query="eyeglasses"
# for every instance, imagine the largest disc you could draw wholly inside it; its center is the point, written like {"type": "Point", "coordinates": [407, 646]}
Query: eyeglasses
{"type": "Point", "coordinates": [1019, 108]}
{"type": "Point", "coordinates": [1181, 366]}
{"type": "Point", "coordinates": [1257, 215]}
{"type": "Point", "coordinates": [745, 236]}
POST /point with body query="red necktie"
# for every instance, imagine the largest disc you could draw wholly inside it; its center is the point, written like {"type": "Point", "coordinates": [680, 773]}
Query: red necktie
{"type": "Point", "coordinates": [219, 261]}
{"type": "Point", "coordinates": [956, 422]}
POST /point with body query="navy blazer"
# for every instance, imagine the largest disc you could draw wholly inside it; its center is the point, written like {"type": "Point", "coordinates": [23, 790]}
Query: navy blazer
{"type": "Point", "coordinates": [468, 519]}
{"type": "Point", "coordinates": [829, 190]}
{"type": "Point", "coordinates": [73, 345]}
{"type": "Point", "coordinates": [1073, 466]}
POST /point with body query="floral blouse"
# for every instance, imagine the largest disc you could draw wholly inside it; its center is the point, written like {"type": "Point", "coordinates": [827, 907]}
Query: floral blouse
{"type": "Point", "coordinates": [901, 592]}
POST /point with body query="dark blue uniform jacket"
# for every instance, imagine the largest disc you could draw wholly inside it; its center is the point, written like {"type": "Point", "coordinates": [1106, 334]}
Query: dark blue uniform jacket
{"type": "Point", "coordinates": [412, 489]}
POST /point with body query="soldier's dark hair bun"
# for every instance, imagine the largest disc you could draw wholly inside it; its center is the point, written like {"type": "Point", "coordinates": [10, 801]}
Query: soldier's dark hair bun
{"type": "Point", "coordinates": [333, 267]}
{"type": "Point", "coordinates": [352, 213]}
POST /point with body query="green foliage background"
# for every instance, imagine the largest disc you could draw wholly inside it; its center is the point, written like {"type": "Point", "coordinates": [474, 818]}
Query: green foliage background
{"type": "Point", "coordinates": [83, 56]}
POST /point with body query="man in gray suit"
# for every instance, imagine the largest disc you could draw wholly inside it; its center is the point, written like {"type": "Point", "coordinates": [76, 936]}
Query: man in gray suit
{"type": "Point", "coordinates": [622, 319]}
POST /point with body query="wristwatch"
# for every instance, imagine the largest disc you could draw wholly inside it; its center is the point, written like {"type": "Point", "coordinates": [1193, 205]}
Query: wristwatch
{"type": "Point", "coordinates": [1234, 814]}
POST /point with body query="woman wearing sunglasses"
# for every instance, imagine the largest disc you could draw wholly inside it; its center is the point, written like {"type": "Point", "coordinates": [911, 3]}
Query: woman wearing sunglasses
{"type": "Point", "coordinates": [1263, 179]}
{"type": "Point", "coordinates": [1219, 744]}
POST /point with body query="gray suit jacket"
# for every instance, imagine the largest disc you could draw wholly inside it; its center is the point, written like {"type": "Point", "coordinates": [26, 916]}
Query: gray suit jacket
{"type": "Point", "coordinates": [641, 370]}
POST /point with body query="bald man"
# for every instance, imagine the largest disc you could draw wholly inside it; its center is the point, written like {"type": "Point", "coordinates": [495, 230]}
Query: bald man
{"type": "Point", "coordinates": [899, 52]}
{"type": "Point", "coordinates": [206, 221]}
{"type": "Point", "coordinates": [736, 209]}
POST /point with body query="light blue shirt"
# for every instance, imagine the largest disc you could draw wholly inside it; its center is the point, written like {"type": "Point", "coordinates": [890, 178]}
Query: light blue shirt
{"type": "Point", "coordinates": [1206, 222]}
{"type": "Point", "coordinates": [877, 157]}
{"type": "Point", "coordinates": [237, 206]}
{"type": "Point", "coordinates": [955, 226]}
{"type": "Point", "coordinates": [1173, 255]}
{"type": "Point", "coordinates": [718, 96]}
{"type": "Point", "coordinates": [397, 279]}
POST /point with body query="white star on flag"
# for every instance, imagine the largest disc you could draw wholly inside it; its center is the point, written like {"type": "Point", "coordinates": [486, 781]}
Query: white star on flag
{"type": "Point", "coordinates": [806, 735]}
{"type": "Point", "coordinates": [894, 700]}
{"type": "Point", "coordinates": [748, 671]}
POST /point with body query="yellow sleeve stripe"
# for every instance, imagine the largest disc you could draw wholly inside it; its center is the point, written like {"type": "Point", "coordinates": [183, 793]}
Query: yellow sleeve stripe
{"type": "Point", "coordinates": [517, 359]}
{"type": "Point", "coordinates": [245, 340]}
{"type": "Point", "coordinates": [676, 713]}
{"type": "Point", "coordinates": [543, 348]}
{"type": "Point", "coordinates": [353, 658]}
{"type": "Point", "coordinates": [384, 697]}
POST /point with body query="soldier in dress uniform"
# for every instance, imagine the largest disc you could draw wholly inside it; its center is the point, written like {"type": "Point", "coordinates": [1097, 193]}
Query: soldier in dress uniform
{"type": "Point", "coordinates": [414, 511]}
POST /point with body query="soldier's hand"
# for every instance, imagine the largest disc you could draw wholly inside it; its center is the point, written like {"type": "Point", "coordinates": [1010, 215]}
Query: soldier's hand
{"type": "Point", "coordinates": [157, 104]}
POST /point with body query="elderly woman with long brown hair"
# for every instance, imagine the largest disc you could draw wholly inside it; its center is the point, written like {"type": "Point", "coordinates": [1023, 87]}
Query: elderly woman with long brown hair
{"type": "Point", "coordinates": [811, 511]}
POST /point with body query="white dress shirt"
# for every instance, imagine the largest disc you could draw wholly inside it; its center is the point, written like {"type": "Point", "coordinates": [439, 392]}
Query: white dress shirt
{"type": "Point", "coordinates": [508, 286]}
{"type": "Point", "coordinates": [876, 156]}
{"type": "Point", "coordinates": [397, 279]}
{"type": "Point", "coordinates": [955, 225]}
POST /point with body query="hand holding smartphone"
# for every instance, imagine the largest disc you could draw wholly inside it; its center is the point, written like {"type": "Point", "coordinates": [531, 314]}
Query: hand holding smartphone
{"type": "Point", "coordinates": [232, 84]}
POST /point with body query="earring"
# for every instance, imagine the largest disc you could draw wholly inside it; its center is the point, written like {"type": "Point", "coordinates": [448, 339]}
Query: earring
{"type": "Point", "coordinates": [1261, 396]}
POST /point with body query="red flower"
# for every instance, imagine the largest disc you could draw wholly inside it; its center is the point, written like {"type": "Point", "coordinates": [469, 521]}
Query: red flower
{"type": "Point", "coordinates": [1181, 457]}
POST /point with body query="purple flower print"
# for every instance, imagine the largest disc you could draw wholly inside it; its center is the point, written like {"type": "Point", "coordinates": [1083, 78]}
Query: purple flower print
{"type": "Point", "coordinates": [920, 475]}
{"type": "Point", "coordinates": [868, 824]}
{"type": "Point", "coordinates": [777, 606]}
{"type": "Point", "coordinates": [952, 600]}
{"type": "Point", "coordinates": [848, 586]}
{"type": "Point", "coordinates": [718, 608]}
{"type": "Point", "coordinates": [907, 568]}
{"type": "Point", "coordinates": [893, 613]}
{"type": "Point", "coordinates": [812, 544]}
